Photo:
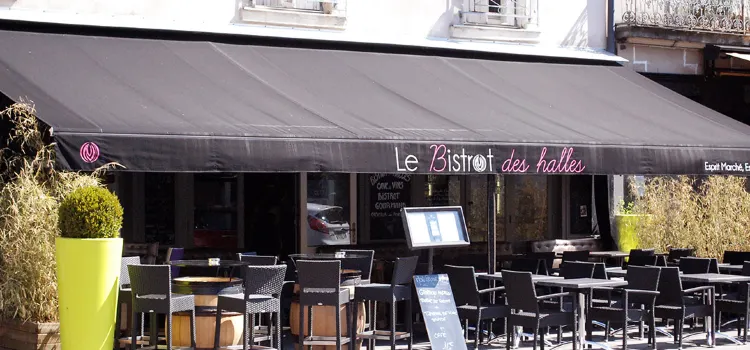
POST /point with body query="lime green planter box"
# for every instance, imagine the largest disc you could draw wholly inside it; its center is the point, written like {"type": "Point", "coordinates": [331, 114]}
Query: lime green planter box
{"type": "Point", "coordinates": [88, 273]}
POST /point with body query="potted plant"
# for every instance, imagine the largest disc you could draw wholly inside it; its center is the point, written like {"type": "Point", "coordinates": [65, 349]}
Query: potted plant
{"type": "Point", "coordinates": [88, 257]}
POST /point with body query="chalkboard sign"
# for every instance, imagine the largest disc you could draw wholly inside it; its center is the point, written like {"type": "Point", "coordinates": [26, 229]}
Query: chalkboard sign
{"type": "Point", "coordinates": [388, 194]}
{"type": "Point", "coordinates": [439, 312]}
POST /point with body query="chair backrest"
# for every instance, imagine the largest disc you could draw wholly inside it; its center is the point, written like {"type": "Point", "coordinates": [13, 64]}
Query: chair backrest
{"type": "Point", "coordinates": [733, 257]}
{"type": "Point", "coordinates": [577, 269]}
{"type": "Point", "coordinates": [124, 274]}
{"type": "Point", "coordinates": [548, 260]}
{"type": "Point", "coordinates": [264, 280]}
{"type": "Point", "coordinates": [403, 271]}
{"type": "Point", "coordinates": [362, 263]}
{"type": "Point", "coordinates": [641, 252]}
{"type": "Point", "coordinates": [174, 254]}
{"type": "Point", "coordinates": [531, 265]}
{"type": "Point", "coordinates": [746, 268]}
{"type": "Point", "coordinates": [319, 276]}
{"type": "Point", "coordinates": [642, 260]}
{"type": "Point", "coordinates": [713, 265]}
{"type": "Point", "coordinates": [258, 260]}
{"type": "Point", "coordinates": [150, 280]}
{"type": "Point", "coordinates": [575, 255]}
{"type": "Point", "coordinates": [694, 265]}
{"type": "Point", "coordinates": [519, 291]}
{"type": "Point", "coordinates": [600, 271]}
{"type": "Point", "coordinates": [679, 253]}
{"type": "Point", "coordinates": [463, 284]}
{"type": "Point", "coordinates": [642, 278]}
{"type": "Point", "coordinates": [670, 287]}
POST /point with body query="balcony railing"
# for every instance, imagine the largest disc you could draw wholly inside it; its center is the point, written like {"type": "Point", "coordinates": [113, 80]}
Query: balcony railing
{"type": "Point", "coordinates": [324, 6]}
{"type": "Point", "coordinates": [726, 16]}
{"type": "Point", "coordinates": [511, 13]}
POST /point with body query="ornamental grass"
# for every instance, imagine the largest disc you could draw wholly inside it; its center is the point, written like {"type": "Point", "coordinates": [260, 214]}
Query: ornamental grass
{"type": "Point", "coordinates": [31, 190]}
{"type": "Point", "coordinates": [708, 214]}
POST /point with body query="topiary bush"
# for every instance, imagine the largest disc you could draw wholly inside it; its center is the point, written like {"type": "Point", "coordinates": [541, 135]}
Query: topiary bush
{"type": "Point", "coordinates": [90, 212]}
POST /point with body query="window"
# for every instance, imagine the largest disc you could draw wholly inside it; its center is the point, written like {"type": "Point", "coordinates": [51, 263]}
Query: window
{"type": "Point", "coordinates": [317, 14]}
{"type": "Point", "coordinates": [328, 209]}
{"type": "Point", "coordinates": [159, 208]}
{"type": "Point", "coordinates": [508, 13]}
{"type": "Point", "coordinates": [388, 193]}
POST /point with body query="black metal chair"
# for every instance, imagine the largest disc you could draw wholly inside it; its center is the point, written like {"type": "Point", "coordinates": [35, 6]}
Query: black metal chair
{"type": "Point", "coordinates": [735, 257]}
{"type": "Point", "coordinates": [363, 263]}
{"type": "Point", "coordinates": [262, 295]}
{"type": "Point", "coordinates": [320, 285]}
{"type": "Point", "coordinates": [577, 269]}
{"type": "Point", "coordinates": [258, 260]}
{"type": "Point", "coordinates": [548, 261]}
{"type": "Point", "coordinates": [694, 265]}
{"type": "Point", "coordinates": [469, 303]}
{"type": "Point", "coordinates": [737, 304]}
{"type": "Point", "coordinates": [678, 304]}
{"type": "Point", "coordinates": [642, 252]}
{"type": "Point", "coordinates": [152, 293]}
{"type": "Point", "coordinates": [125, 296]}
{"type": "Point", "coordinates": [400, 289]}
{"type": "Point", "coordinates": [575, 255]}
{"type": "Point", "coordinates": [637, 303]}
{"type": "Point", "coordinates": [526, 264]}
{"type": "Point", "coordinates": [526, 311]}
{"type": "Point", "coordinates": [642, 260]}
{"type": "Point", "coordinates": [679, 253]}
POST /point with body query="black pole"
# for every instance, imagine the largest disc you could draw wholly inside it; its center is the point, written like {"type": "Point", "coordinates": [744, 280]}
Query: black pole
{"type": "Point", "coordinates": [491, 224]}
{"type": "Point", "coordinates": [611, 42]}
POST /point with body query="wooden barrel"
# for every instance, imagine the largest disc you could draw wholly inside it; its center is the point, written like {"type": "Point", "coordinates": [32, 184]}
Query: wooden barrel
{"type": "Point", "coordinates": [206, 291]}
{"type": "Point", "coordinates": [324, 317]}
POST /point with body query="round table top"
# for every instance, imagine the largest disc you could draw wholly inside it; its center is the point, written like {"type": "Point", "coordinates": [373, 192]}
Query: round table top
{"type": "Point", "coordinates": [204, 263]}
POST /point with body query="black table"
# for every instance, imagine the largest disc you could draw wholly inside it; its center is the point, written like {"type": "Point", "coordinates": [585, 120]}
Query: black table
{"type": "Point", "coordinates": [223, 264]}
{"type": "Point", "coordinates": [730, 268]}
{"type": "Point", "coordinates": [499, 277]}
{"type": "Point", "coordinates": [579, 286]}
{"type": "Point", "coordinates": [328, 256]}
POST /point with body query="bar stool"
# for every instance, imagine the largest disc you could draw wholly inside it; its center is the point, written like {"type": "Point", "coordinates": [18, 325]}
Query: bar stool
{"type": "Point", "coordinates": [262, 294]}
{"type": "Point", "coordinates": [152, 293]}
{"type": "Point", "coordinates": [320, 285]}
{"type": "Point", "coordinates": [125, 295]}
{"type": "Point", "coordinates": [398, 290]}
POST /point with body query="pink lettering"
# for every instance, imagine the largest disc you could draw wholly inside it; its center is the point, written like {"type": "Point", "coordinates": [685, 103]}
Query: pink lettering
{"type": "Point", "coordinates": [564, 165]}
{"type": "Point", "coordinates": [511, 165]}
{"type": "Point", "coordinates": [436, 150]}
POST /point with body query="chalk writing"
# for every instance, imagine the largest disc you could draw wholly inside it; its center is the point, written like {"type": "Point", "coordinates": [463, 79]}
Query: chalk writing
{"type": "Point", "coordinates": [439, 311]}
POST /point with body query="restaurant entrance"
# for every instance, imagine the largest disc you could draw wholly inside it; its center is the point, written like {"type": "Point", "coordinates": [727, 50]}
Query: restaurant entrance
{"type": "Point", "coordinates": [271, 213]}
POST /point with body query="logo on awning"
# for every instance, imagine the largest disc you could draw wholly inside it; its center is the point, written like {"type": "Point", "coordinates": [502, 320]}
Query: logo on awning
{"type": "Point", "coordinates": [89, 152]}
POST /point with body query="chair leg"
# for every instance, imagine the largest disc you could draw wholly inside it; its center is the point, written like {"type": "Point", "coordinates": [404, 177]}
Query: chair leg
{"type": "Point", "coordinates": [353, 323]}
{"type": "Point", "coordinates": [337, 310]}
{"type": "Point", "coordinates": [541, 340]}
{"type": "Point", "coordinates": [301, 339]}
{"type": "Point", "coordinates": [251, 329]}
{"type": "Point", "coordinates": [192, 329]}
{"type": "Point", "coordinates": [373, 325]}
{"type": "Point", "coordinates": [681, 325]}
{"type": "Point", "coordinates": [478, 329]}
{"type": "Point", "coordinates": [169, 330]}
{"type": "Point", "coordinates": [246, 326]}
{"type": "Point", "coordinates": [653, 331]}
{"type": "Point", "coordinates": [409, 324]}
{"type": "Point", "coordinates": [133, 330]}
{"type": "Point", "coordinates": [310, 323]}
{"type": "Point", "coordinates": [625, 329]}
{"type": "Point", "coordinates": [536, 335]}
{"type": "Point", "coordinates": [278, 330]}
{"type": "Point", "coordinates": [154, 332]}
{"type": "Point", "coordinates": [217, 329]}
{"type": "Point", "coordinates": [393, 325]}
{"type": "Point", "coordinates": [508, 334]}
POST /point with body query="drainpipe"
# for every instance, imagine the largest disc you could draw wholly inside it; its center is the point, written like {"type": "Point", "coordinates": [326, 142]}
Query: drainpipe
{"type": "Point", "coordinates": [611, 26]}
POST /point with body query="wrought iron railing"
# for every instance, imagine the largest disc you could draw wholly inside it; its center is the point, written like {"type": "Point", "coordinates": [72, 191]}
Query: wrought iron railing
{"type": "Point", "coordinates": [729, 16]}
{"type": "Point", "coordinates": [325, 6]}
{"type": "Point", "coordinates": [514, 13]}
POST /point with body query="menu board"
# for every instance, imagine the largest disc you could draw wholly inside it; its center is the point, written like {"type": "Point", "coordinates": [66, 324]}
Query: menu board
{"type": "Point", "coordinates": [432, 227]}
{"type": "Point", "coordinates": [388, 194]}
{"type": "Point", "coordinates": [439, 310]}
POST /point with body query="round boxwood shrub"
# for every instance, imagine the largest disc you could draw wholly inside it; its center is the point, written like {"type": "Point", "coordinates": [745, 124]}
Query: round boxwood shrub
{"type": "Point", "coordinates": [90, 212]}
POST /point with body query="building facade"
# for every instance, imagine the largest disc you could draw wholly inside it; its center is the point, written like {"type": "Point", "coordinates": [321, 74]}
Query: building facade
{"type": "Point", "coordinates": [291, 212]}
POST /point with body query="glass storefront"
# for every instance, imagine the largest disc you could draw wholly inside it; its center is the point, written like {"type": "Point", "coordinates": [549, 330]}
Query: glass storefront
{"type": "Point", "coordinates": [328, 219]}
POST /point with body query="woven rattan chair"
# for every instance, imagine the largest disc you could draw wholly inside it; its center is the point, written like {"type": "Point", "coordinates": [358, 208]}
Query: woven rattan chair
{"type": "Point", "coordinates": [152, 293]}
{"type": "Point", "coordinates": [363, 264]}
{"type": "Point", "coordinates": [320, 285]}
{"type": "Point", "coordinates": [400, 289]}
{"type": "Point", "coordinates": [258, 260]}
{"type": "Point", "coordinates": [262, 295]}
{"type": "Point", "coordinates": [125, 295]}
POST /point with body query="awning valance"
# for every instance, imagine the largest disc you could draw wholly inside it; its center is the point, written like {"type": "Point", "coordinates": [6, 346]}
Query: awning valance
{"type": "Point", "coordinates": [198, 106]}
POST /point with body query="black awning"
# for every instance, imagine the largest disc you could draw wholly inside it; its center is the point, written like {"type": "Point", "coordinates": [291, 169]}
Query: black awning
{"type": "Point", "coordinates": [160, 105]}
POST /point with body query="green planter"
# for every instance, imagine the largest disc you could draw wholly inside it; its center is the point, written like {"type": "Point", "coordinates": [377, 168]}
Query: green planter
{"type": "Point", "coordinates": [627, 236]}
{"type": "Point", "coordinates": [88, 273]}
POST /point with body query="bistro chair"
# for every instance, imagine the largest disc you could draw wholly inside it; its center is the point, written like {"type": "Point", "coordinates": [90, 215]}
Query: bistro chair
{"type": "Point", "coordinates": [575, 255]}
{"type": "Point", "coordinates": [526, 311]}
{"type": "Point", "coordinates": [737, 304]}
{"type": "Point", "coordinates": [525, 264]}
{"type": "Point", "coordinates": [735, 257]}
{"type": "Point", "coordinates": [548, 261]}
{"type": "Point", "coordinates": [637, 303]}
{"type": "Point", "coordinates": [125, 296]}
{"type": "Point", "coordinates": [320, 285]}
{"type": "Point", "coordinates": [679, 253]}
{"type": "Point", "coordinates": [469, 303]}
{"type": "Point", "coordinates": [678, 304]}
{"type": "Point", "coordinates": [642, 260]}
{"type": "Point", "coordinates": [258, 260]}
{"type": "Point", "coordinates": [174, 254]}
{"type": "Point", "coordinates": [262, 295]}
{"type": "Point", "coordinates": [400, 289]}
{"type": "Point", "coordinates": [363, 264]}
{"type": "Point", "coordinates": [152, 293]}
